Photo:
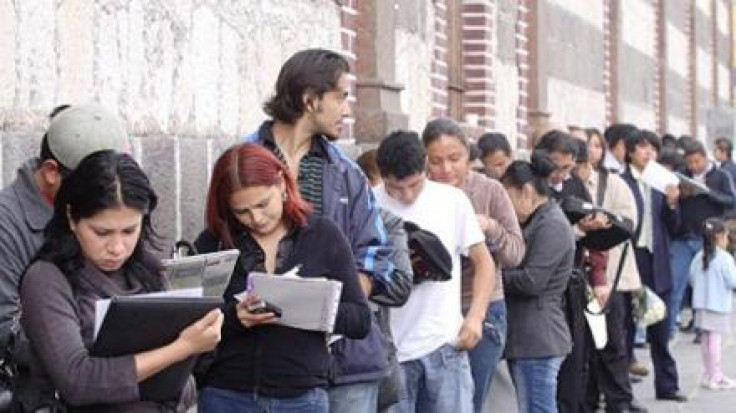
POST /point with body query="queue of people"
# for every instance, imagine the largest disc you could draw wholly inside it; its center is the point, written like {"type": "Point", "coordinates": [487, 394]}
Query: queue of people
{"type": "Point", "coordinates": [449, 266]}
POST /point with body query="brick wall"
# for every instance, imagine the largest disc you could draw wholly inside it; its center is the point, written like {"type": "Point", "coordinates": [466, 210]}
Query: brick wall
{"type": "Point", "coordinates": [478, 58]}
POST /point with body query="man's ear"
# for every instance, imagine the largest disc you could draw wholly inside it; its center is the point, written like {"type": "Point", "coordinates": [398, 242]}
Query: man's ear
{"type": "Point", "coordinates": [50, 173]}
{"type": "Point", "coordinates": [309, 100]}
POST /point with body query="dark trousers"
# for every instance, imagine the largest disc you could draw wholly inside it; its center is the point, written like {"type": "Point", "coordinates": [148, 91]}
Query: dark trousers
{"type": "Point", "coordinates": [572, 377]}
{"type": "Point", "coordinates": [629, 325]}
{"type": "Point", "coordinates": [665, 368]}
{"type": "Point", "coordinates": [609, 366]}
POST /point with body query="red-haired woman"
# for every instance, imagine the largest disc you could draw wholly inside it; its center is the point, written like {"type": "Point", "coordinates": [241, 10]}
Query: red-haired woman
{"type": "Point", "coordinates": [253, 205]}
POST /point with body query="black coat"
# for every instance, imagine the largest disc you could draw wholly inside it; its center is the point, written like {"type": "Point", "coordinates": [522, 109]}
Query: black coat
{"type": "Point", "coordinates": [276, 361]}
{"type": "Point", "coordinates": [665, 222]}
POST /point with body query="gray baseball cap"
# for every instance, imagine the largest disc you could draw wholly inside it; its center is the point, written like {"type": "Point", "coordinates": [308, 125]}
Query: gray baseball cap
{"type": "Point", "coordinates": [82, 130]}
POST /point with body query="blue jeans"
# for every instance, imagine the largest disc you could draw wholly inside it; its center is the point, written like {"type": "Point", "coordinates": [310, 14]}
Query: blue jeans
{"type": "Point", "coordinates": [214, 400]}
{"type": "Point", "coordinates": [535, 381]}
{"type": "Point", "coordinates": [439, 382]}
{"type": "Point", "coordinates": [358, 398]}
{"type": "Point", "coordinates": [485, 356]}
{"type": "Point", "coordinates": [682, 252]}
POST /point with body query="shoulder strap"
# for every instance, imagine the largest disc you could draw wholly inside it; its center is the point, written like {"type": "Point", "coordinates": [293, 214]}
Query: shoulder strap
{"type": "Point", "coordinates": [602, 184]}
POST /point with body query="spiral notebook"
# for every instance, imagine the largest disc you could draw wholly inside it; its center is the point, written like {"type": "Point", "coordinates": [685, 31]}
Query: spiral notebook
{"type": "Point", "coordinates": [306, 303]}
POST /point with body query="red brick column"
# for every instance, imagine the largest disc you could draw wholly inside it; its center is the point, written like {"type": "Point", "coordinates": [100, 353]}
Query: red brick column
{"type": "Point", "coordinates": [692, 75]}
{"type": "Point", "coordinates": [660, 67]}
{"type": "Point", "coordinates": [348, 27]}
{"type": "Point", "coordinates": [610, 59]}
{"type": "Point", "coordinates": [439, 74]}
{"type": "Point", "coordinates": [477, 28]}
{"type": "Point", "coordinates": [525, 59]}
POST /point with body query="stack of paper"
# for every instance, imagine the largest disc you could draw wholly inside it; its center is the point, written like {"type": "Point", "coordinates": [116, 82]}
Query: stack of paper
{"type": "Point", "coordinates": [658, 177]}
{"type": "Point", "coordinates": [306, 303]}
{"type": "Point", "coordinates": [211, 272]}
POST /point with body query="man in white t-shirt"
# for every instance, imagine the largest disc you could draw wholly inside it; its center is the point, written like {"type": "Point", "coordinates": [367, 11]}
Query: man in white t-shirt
{"type": "Point", "coordinates": [429, 330]}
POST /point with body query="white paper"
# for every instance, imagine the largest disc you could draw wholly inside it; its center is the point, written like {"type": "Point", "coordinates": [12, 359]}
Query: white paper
{"type": "Point", "coordinates": [210, 271]}
{"type": "Point", "coordinates": [658, 177]}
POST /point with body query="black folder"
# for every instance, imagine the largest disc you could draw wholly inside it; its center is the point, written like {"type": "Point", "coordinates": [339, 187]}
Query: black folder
{"type": "Point", "coordinates": [135, 324]}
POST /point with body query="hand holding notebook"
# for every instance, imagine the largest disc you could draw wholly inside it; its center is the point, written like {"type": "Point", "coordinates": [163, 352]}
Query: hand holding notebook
{"type": "Point", "coordinates": [305, 303]}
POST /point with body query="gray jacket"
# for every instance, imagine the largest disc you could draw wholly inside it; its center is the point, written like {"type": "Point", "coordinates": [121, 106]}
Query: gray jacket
{"type": "Point", "coordinates": [534, 290]}
{"type": "Point", "coordinates": [24, 214]}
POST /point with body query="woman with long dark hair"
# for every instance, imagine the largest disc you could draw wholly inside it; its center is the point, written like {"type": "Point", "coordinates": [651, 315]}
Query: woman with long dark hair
{"type": "Point", "coordinates": [538, 334]}
{"type": "Point", "coordinates": [254, 205]}
{"type": "Point", "coordinates": [96, 248]}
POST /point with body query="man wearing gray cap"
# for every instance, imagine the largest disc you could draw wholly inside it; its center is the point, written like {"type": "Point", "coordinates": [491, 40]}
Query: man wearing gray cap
{"type": "Point", "coordinates": [26, 205]}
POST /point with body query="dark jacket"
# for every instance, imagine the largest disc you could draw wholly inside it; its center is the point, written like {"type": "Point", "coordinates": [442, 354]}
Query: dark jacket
{"type": "Point", "coordinates": [695, 210]}
{"type": "Point", "coordinates": [349, 203]}
{"type": "Point", "coordinates": [665, 222]}
{"type": "Point", "coordinates": [59, 322]}
{"type": "Point", "coordinates": [730, 167]}
{"type": "Point", "coordinates": [534, 290]}
{"type": "Point", "coordinates": [277, 361]}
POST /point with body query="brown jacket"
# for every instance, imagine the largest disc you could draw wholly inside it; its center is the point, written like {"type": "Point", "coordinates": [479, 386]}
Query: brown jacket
{"type": "Point", "coordinates": [504, 239]}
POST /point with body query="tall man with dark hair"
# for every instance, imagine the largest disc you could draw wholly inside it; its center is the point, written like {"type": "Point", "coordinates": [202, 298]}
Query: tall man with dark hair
{"type": "Point", "coordinates": [695, 208]}
{"type": "Point", "coordinates": [431, 334]}
{"type": "Point", "coordinates": [307, 111]}
{"type": "Point", "coordinates": [658, 219]}
{"type": "Point", "coordinates": [722, 154]}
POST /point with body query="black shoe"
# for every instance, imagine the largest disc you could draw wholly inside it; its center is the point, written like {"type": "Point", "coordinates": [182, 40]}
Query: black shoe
{"type": "Point", "coordinates": [633, 378]}
{"type": "Point", "coordinates": [697, 338]}
{"type": "Point", "coordinates": [674, 397]}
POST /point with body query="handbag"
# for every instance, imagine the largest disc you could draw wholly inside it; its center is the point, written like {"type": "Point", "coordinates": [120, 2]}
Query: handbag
{"type": "Point", "coordinates": [648, 307]}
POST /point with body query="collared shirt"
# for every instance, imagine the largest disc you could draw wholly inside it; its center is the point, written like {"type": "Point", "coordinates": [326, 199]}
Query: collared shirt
{"type": "Point", "coordinates": [646, 230]}
{"type": "Point", "coordinates": [309, 176]}
{"type": "Point", "coordinates": [612, 164]}
{"type": "Point", "coordinates": [701, 176]}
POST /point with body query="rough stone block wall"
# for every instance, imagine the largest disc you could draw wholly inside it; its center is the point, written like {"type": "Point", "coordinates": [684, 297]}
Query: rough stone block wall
{"type": "Point", "coordinates": [677, 74]}
{"type": "Point", "coordinates": [636, 68]}
{"type": "Point", "coordinates": [570, 61]}
{"type": "Point", "coordinates": [414, 50]}
{"type": "Point", "coordinates": [188, 77]}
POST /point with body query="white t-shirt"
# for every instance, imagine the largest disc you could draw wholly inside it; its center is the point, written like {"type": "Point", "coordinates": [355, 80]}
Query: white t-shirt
{"type": "Point", "coordinates": [433, 316]}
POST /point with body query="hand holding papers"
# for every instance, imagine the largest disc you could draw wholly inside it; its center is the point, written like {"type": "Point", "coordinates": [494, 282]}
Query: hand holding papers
{"type": "Point", "coordinates": [305, 303]}
{"type": "Point", "coordinates": [658, 177]}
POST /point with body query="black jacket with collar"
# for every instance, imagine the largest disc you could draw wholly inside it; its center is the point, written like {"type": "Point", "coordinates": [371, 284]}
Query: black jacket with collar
{"type": "Point", "coordinates": [276, 361]}
{"type": "Point", "coordinates": [695, 210]}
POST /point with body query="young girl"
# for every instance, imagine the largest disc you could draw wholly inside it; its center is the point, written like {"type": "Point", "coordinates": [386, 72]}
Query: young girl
{"type": "Point", "coordinates": [713, 277]}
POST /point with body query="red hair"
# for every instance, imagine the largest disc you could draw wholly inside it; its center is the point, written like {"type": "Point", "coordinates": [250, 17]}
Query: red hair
{"type": "Point", "coordinates": [246, 165]}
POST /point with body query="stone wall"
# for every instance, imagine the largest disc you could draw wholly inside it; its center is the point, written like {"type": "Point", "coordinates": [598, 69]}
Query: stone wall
{"type": "Point", "coordinates": [187, 76]}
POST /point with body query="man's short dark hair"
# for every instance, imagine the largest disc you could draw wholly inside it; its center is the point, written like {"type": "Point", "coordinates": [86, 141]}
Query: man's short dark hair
{"type": "Point", "coordinates": [640, 137]}
{"type": "Point", "coordinates": [618, 132]}
{"type": "Point", "coordinates": [443, 126]}
{"type": "Point", "coordinates": [695, 148]}
{"type": "Point", "coordinates": [46, 153]}
{"type": "Point", "coordinates": [401, 154]}
{"type": "Point", "coordinates": [492, 142]}
{"type": "Point", "coordinates": [309, 71]}
{"type": "Point", "coordinates": [558, 142]}
{"type": "Point", "coordinates": [724, 145]}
